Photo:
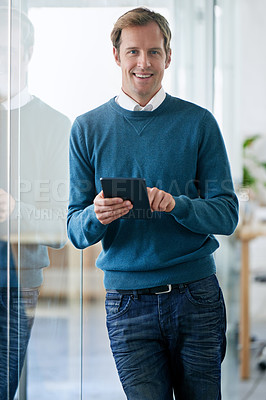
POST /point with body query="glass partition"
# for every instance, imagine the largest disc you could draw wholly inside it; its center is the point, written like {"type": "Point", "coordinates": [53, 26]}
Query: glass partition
{"type": "Point", "coordinates": [56, 63]}
{"type": "Point", "coordinates": [40, 305]}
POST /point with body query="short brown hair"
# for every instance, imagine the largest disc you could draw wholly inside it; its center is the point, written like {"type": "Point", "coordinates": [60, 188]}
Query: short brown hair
{"type": "Point", "coordinates": [138, 17]}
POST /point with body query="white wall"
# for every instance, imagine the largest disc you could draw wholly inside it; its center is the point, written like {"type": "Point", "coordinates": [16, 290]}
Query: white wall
{"type": "Point", "coordinates": [252, 67]}
{"type": "Point", "coordinates": [241, 89]}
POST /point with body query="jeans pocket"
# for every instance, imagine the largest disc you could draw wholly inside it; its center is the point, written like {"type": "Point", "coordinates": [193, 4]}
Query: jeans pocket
{"type": "Point", "coordinates": [204, 292]}
{"type": "Point", "coordinates": [14, 307]}
{"type": "Point", "coordinates": [116, 304]}
{"type": "Point", "coordinates": [21, 304]}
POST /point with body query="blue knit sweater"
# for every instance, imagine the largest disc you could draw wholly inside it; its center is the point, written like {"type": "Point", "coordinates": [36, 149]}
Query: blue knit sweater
{"type": "Point", "coordinates": [177, 148]}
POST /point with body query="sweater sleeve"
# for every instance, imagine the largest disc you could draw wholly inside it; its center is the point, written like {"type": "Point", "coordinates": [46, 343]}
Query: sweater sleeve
{"type": "Point", "coordinates": [215, 209]}
{"type": "Point", "coordinates": [44, 215]}
{"type": "Point", "coordinates": [39, 216]}
{"type": "Point", "coordinates": [83, 228]}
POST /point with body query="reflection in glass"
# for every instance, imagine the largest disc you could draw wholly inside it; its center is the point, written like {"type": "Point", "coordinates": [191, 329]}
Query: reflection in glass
{"type": "Point", "coordinates": [33, 194]}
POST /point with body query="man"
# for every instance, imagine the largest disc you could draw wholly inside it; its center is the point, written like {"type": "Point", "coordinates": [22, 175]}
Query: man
{"type": "Point", "coordinates": [165, 309]}
{"type": "Point", "coordinates": [33, 174]}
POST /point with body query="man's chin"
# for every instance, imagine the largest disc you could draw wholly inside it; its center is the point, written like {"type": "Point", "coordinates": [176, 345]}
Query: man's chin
{"type": "Point", "coordinates": [3, 97]}
{"type": "Point", "coordinates": [144, 96]}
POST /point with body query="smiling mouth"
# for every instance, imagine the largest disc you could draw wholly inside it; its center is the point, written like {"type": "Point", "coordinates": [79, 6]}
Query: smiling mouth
{"type": "Point", "coordinates": [142, 76]}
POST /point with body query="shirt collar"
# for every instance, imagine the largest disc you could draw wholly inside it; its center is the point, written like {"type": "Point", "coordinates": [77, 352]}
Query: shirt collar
{"type": "Point", "coordinates": [19, 100]}
{"type": "Point", "coordinates": [129, 104]}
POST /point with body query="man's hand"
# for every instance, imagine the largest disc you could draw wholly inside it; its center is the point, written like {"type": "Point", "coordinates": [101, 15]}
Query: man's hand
{"type": "Point", "coordinates": [108, 210]}
{"type": "Point", "coordinates": [7, 205]}
{"type": "Point", "coordinates": [160, 200]}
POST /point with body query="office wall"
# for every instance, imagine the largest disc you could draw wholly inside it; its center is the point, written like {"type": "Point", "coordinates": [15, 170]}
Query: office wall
{"type": "Point", "coordinates": [252, 117]}
{"type": "Point", "coordinates": [252, 67]}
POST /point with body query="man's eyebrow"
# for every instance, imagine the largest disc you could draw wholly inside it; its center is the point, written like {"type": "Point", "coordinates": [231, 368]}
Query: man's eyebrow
{"type": "Point", "coordinates": [136, 48]}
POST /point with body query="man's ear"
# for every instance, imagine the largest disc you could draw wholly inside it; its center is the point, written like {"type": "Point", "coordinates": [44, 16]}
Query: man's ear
{"type": "Point", "coordinates": [28, 54]}
{"type": "Point", "coordinates": [116, 56]}
{"type": "Point", "coordinates": [168, 59]}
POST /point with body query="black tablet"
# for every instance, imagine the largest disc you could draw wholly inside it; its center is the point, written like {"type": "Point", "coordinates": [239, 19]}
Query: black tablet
{"type": "Point", "coordinates": [133, 189]}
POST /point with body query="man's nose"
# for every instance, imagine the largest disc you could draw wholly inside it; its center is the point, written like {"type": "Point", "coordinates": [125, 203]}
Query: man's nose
{"type": "Point", "coordinates": [3, 66]}
{"type": "Point", "coordinates": [3, 61]}
{"type": "Point", "coordinates": [144, 61]}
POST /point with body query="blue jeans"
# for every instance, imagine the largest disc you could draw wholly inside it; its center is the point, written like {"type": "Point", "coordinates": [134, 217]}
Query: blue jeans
{"type": "Point", "coordinates": [169, 344]}
{"type": "Point", "coordinates": [15, 330]}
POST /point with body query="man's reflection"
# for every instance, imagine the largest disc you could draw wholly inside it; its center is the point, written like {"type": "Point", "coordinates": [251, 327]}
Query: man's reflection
{"type": "Point", "coordinates": [33, 180]}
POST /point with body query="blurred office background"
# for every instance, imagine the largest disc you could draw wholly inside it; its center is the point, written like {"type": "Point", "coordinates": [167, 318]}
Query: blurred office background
{"type": "Point", "coordinates": [218, 62]}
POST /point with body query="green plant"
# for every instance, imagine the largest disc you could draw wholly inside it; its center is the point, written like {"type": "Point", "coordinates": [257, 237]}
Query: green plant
{"type": "Point", "coordinates": [252, 164]}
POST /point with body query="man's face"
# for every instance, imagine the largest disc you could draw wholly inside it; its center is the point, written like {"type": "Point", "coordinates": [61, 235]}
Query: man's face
{"type": "Point", "coordinates": [19, 63]}
{"type": "Point", "coordinates": [142, 59]}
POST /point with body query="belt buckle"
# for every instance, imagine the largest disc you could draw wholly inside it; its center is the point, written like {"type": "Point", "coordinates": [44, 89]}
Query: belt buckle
{"type": "Point", "coordinates": [166, 291]}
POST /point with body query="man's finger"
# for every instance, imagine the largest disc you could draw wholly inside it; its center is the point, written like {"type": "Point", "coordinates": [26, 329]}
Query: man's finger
{"type": "Point", "coordinates": [109, 201]}
{"type": "Point", "coordinates": [109, 217]}
{"type": "Point", "coordinates": [112, 207]}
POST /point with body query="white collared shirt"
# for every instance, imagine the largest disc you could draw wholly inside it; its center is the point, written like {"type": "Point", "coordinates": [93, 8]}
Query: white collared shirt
{"type": "Point", "coordinates": [19, 100]}
{"type": "Point", "coordinates": [129, 104]}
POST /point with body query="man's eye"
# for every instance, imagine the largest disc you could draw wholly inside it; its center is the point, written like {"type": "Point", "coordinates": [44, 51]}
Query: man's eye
{"type": "Point", "coordinates": [154, 52]}
{"type": "Point", "coordinates": [133, 52]}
